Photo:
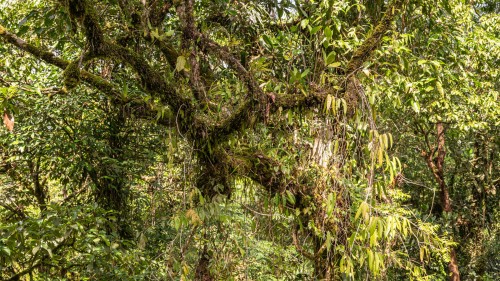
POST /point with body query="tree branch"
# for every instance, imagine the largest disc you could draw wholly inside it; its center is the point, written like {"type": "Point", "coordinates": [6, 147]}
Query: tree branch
{"type": "Point", "coordinates": [95, 81]}
{"type": "Point", "coordinates": [152, 80]}
{"type": "Point", "coordinates": [366, 49]}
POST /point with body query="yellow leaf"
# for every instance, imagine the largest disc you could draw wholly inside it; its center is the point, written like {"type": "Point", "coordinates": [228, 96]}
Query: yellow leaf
{"type": "Point", "coordinates": [439, 87]}
{"type": "Point", "coordinates": [335, 64]}
{"type": "Point", "coordinates": [181, 63]}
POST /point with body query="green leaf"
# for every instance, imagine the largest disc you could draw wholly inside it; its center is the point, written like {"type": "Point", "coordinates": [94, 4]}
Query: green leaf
{"type": "Point", "coordinates": [315, 29]}
{"type": "Point", "coordinates": [304, 23]}
{"type": "Point", "coordinates": [35, 250]}
{"type": "Point", "coordinates": [330, 58]}
{"type": "Point", "coordinates": [328, 32]}
{"type": "Point", "coordinates": [268, 40]}
{"type": "Point", "coordinates": [181, 63]}
{"type": "Point", "coordinates": [6, 250]}
{"type": "Point", "coordinates": [305, 73]}
{"type": "Point", "coordinates": [290, 197]}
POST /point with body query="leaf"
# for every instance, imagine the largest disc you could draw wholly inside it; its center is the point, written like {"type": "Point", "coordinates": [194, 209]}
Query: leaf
{"type": "Point", "coordinates": [421, 62]}
{"type": "Point", "coordinates": [6, 251]}
{"type": "Point", "coordinates": [304, 23]}
{"type": "Point", "coordinates": [291, 197]}
{"type": "Point", "coordinates": [415, 106]}
{"type": "Point", "coordinates": [142, 241]}
{"type": "Point", "coordinates": [330, 58]}
{"type": "Point", "coordinates": [8, 120]}
{"type": "Point", "coordinates": [373, 239]}
{"type": "Point", "coordinates": [49, 250]}
{"type": "Point", "coordinates": [362, 210]}
{"type": "Point", "coordinates": [155, 33]}
{"type": "Point", "coordinates": [22, 30]}
{"type": "Point", "coordinates": [328, 32]}
{"type": "Point", "coordinates": [181, 63]}
{"type": "Point", "coordinates": [304, 74]}
{"type": "Point", "coordinates": [335, 64]}
{"type": "Point", "coordinates": [328, 103]}
{"type": "Point", "coordinates": [330, 204]}
{"type": "Point", "coordinates": [268, 40]}
{"type": "Point", "coordinates": [370, 260]}
{"type": "Point", "coordinates": [315, 29]}
{"type": "Point", "coordinates": [439, 87]}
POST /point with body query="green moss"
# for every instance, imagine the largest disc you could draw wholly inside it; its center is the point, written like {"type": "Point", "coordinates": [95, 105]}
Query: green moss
{"type": "Point", "coordinates": [366, 49]}
{"type": "Point", "coordinates": [71, 76]}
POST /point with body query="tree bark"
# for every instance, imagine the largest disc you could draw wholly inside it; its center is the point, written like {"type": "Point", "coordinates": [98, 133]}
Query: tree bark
{"type": "Point", "coordinates": [437, 167]}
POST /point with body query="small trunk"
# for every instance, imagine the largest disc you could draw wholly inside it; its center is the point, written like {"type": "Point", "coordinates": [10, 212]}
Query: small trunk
{"type": "Point", "coordinates": [324, 270]}
{"type": "Point", "coordinates": [38, 187]}
{"type": "Point", "coordinates": [112, 191]}
{"type": "Point", "coordinates": [453, 266]}
{"type": "Point", "coordinates": [324, 262]}
{"type": "Point", "coordinates": [202, 269]}
{"type": "Point", "coordinates": [437, 167]}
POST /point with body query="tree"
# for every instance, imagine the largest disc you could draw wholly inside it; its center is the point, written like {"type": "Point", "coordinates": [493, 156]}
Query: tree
{"type": "Point", "coordinates": [194, 125]}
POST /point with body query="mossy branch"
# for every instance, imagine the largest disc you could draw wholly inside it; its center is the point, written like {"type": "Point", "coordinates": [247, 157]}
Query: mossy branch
{"type": "Point", "coordinates": [153, 81]}
{"type": "Point", "coordinates": [71, 76]}
{"type": "Point", "coordinates": [366, 49]}
{"type": "Point", "coordinates": [258, 167]}
{"type": "Point", "coordinates": [92, 80]}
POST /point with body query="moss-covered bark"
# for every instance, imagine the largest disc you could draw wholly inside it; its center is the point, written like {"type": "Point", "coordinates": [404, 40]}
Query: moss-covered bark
{"type": "Point", "coordinates": [217, 165]}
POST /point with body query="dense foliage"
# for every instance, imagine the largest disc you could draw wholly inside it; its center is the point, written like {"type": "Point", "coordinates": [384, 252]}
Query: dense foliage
{"type": "Point", "coordinates": [250, 140]}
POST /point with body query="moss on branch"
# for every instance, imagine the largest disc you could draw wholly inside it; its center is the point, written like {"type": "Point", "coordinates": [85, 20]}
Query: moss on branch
{"type": "Point", "coordinates": [364, 51]}
{"type": "Point", "coordinates": [71, 76]}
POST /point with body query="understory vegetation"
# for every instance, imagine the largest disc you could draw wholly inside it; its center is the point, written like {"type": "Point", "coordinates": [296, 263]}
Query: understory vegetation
{"type": "Point", "coordinates": [250, 140]}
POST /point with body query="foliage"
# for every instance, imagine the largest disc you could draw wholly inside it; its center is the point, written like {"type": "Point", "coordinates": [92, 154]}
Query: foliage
{"type": "Point", "coordinates": [249, 140]}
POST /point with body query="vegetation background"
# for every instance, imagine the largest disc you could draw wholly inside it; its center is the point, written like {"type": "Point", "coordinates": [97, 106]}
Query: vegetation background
{"type": "Point", "coordinates": [250, 140]}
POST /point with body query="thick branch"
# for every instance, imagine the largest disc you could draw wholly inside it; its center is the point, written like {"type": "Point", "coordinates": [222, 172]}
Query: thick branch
{"type": "Point", "coordinates": [95, 81]}
{"type": "Point", "coordinates": [258, 167]}
{"type": "Point", "coordinates": [225, 55]}
{"type": "Point", "coordinates": [46, 56]}
{"type": "Point", "coordinates": [154, 82]}
{"type": "Point", "coordinates": [246, 111]}
{"type": "Point", "coordinates": [364, 51]}
{"type": "Point", "coordinates": [186, 16]}
{"type": "Point", "coordinates": [242, 114]}
{"type": "Point", "coordinates": [81, 12]}
{"type": "Point", "coordinates": [15, 210]}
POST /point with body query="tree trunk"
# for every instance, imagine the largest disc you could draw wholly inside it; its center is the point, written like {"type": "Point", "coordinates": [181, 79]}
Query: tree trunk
{"type": "Point", "coordinates": [437, 167]}
{"type": "Point", "coordinates": [202, 269]}
{"type": "Point", "coordinates": [38, 187]}
{"type": "Point", "coordinates": [112, 192]}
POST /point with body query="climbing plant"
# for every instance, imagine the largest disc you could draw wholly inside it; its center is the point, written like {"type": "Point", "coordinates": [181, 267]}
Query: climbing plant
{"type": "Point", "coordinates": [249, 140]}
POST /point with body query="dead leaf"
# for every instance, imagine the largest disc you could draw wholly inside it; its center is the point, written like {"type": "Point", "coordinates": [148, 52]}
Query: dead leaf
{"type": "Point", "coordinates": [8, 120]}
